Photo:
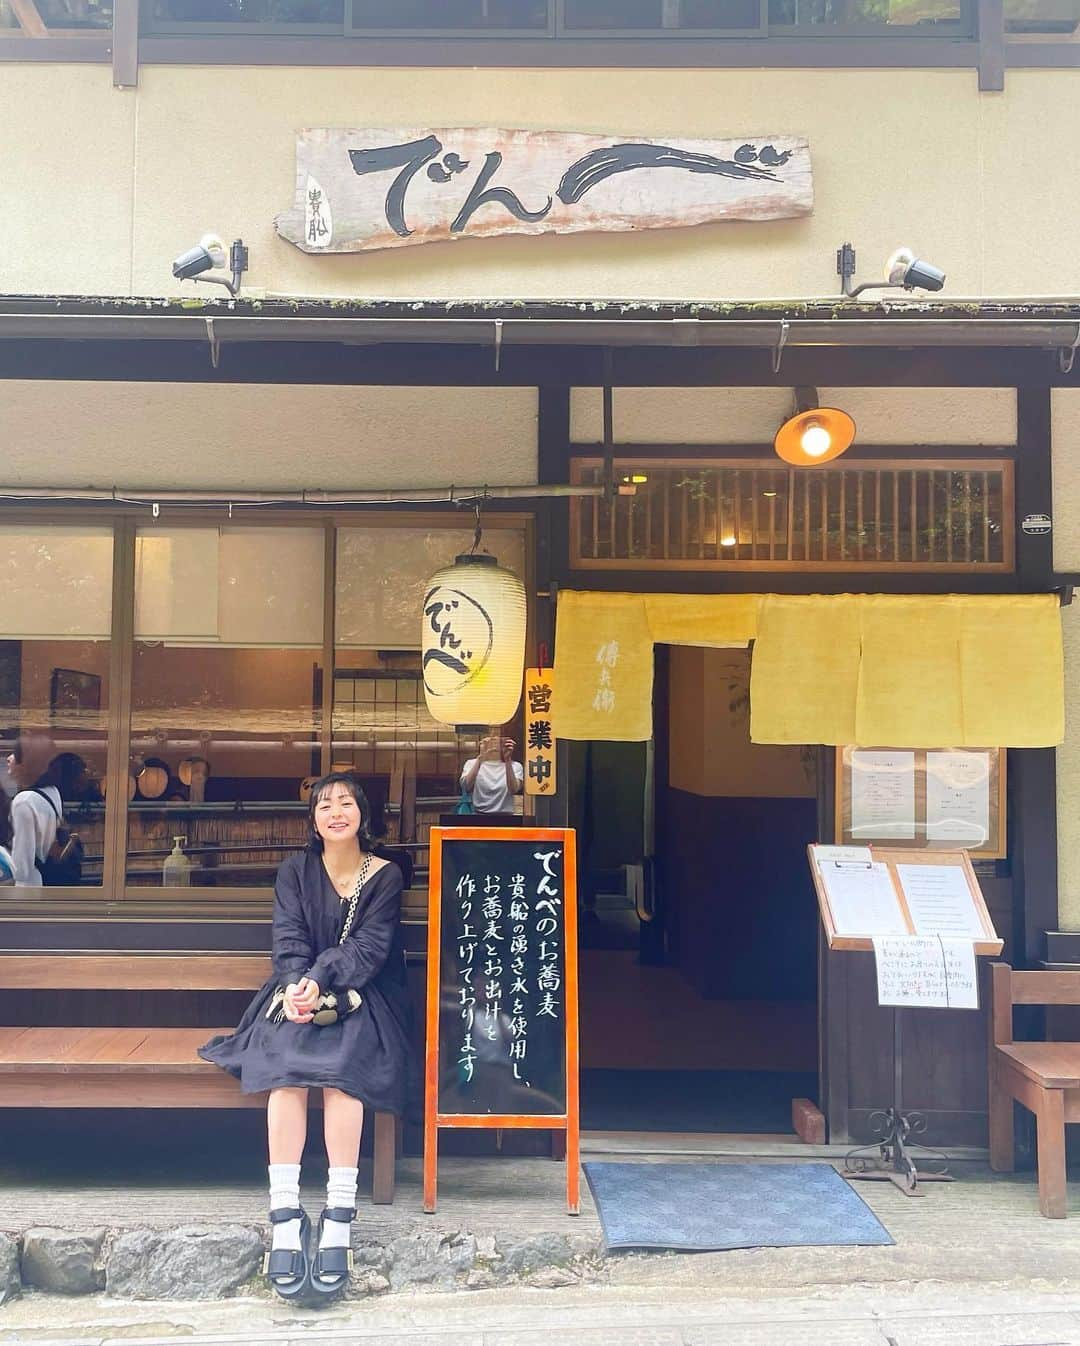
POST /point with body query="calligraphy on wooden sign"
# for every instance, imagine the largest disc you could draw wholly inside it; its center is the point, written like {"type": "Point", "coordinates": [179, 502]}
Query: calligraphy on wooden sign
{"type": "Point", "coordinates": [540, 773]}
{"type": "Point", "coordinates": [386, 188]}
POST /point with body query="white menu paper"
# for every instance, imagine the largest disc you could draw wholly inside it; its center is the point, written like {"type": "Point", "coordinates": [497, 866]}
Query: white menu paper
{"type": "Point", "coordinates": [862, 898]}
{"type": "Point", "coordinates": [882, 795]}
{"type": "Point", "coordinates": [940, 901]}
{"type": "Point", "coordinates": [958, 797]}
{"type": "Point", "coordinates": [934, 973]}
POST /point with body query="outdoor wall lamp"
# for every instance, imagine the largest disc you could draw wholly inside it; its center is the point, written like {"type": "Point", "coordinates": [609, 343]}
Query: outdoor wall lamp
{"type": "Point", "coordinates": [209, 254]}
{"type": "Point", "coordinates": [903, 271]}
{"type": "Point", "coordinates": [813, 434]}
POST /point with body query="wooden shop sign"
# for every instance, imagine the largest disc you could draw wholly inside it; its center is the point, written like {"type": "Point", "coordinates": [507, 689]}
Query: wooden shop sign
{"type": "Point", "coordinates": [365, 189]}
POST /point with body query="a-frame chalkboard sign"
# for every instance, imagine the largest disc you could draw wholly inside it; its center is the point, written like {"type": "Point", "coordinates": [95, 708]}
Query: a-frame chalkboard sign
{"type": "Point", "coordinates": [502, 1003]}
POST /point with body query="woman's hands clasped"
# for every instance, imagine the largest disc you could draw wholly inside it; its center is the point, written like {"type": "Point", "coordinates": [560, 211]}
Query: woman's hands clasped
{"type": "Point", "coordinates": [300, 1000]}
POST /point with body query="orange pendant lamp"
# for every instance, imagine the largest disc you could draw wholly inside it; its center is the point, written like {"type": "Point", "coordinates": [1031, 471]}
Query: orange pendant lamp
{"type": "Point", "coordinates": [813, 434]}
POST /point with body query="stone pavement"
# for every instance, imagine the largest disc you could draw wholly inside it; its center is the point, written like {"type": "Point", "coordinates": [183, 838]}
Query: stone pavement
{"type": "Point", "coordinates": [856, 1316]}
{"type": "Point", "coordinates": [501, 1221]}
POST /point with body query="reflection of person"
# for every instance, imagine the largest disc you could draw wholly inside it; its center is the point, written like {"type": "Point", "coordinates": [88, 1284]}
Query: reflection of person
{"type": "Point", "coordinates": [493, 777]}
{"type": "Point", "coordinates": [36, 809]}
{"type": "Point", "coordinates": [7, 864]}
{"type": "Point", "coordinates": [359, 1059]}
{"type": "Point", "coordinates": [73, 779]}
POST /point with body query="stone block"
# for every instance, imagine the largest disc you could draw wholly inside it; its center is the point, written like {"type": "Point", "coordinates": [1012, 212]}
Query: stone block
{"type": "Point", "coordinates": [63, 1262]}
{"type": "Point", "coordinates": [191, 1262]}
{"type": "Point", "coordinates": [431, 1259]}
{"type": "Point", "coordinates": [10, 1284]}
{"type": "Point", "coordinates": [536, 1253]}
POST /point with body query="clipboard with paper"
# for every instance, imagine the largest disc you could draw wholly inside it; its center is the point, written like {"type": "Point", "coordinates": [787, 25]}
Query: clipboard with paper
{"type": "Point", "coordinates": [868, 891]}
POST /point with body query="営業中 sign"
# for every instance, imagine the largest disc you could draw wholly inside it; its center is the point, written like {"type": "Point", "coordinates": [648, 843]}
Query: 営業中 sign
{"type": "Point", "coordinates": [384, 188]}
{"type": "Point", "coordinates": [539, 751]}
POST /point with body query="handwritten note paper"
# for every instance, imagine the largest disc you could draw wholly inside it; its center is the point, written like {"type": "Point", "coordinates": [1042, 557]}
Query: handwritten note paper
{"type": "Point", "coordinates": [862, 898]}
{"type": "Point", "coordinates": [940, 901]}
{"type": "Point", "coordinates": [915, 970]}
{"type": "Point", "coordinates": [883, 795]}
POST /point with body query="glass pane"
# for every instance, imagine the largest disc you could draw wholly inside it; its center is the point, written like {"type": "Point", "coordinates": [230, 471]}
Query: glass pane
{"type": "Point", "coordinates": [76, 13]}
{"type": "Point", "coordinates": [381, 573]}
{"type": "Point", "coordinates": [56, 582]}
{"type": "Point", "coordinates": [468, 15]}
{"type": "Point", "coordinates": [54, 697]}
{"type": "Point", "coordinates": [225, 703]}
{"type": "Point", "coordinates": [384, 733]}
{"type": "Point", "coordinates": [662, 15]}
{"type": "Point", "coordinates": [1041, 16]}
{"type": "Point", "coordinates": [7, 16]}
{"type": "Point", "coordinates": [251, 11]}
{"type": "Point", "coordinates": [920, 14]}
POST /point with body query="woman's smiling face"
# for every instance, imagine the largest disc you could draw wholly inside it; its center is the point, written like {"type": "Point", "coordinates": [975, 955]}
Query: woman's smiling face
{"type": "Point", "coordinates": [337, 814]}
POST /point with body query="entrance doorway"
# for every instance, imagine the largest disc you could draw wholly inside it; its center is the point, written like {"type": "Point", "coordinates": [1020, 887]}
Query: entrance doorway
{"type": "Point", "coordinates": [698, 925]}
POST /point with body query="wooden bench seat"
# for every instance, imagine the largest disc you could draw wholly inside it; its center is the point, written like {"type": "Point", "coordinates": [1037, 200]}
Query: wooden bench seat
{"type": "Point", "coordinates": [131, 1067]}
{"type": "Point", "coordinates": [1043, 1076]}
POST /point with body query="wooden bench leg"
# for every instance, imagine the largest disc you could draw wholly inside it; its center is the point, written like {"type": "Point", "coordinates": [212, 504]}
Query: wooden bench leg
{"type": "Point", "coordinates": [1050, 1122]}
{"type": "Point", "coordinates": [385, 1159]}
{"type": "Point", "coordinates": [1002, 1143]}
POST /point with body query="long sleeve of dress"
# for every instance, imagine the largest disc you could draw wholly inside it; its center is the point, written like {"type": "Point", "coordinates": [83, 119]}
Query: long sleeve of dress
{"type": "Point", "coordinates": [353, 964]}
{"type": "Point", "coordinates": [293, 953]}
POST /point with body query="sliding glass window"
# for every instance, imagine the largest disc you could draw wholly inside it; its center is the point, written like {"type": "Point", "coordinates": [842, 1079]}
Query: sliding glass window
{"type": "Point", "coordinates": [55, 624]}
{"type": "Point", "coordinates": [226, 695]}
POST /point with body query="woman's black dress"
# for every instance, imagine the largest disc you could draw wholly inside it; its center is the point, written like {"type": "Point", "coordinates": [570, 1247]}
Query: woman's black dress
{"type": "Point", "coordinates": [367, 1053]}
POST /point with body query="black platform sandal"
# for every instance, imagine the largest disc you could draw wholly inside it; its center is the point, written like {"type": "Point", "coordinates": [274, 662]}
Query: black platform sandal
{"type": "Point", "coordinates": [330, 1267]}
{"type": "Point", "coordinates": [289, 1270]}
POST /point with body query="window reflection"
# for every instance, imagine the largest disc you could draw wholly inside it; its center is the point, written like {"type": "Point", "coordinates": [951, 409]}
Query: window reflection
{"type": "Point", "coordinates": [221, 743]}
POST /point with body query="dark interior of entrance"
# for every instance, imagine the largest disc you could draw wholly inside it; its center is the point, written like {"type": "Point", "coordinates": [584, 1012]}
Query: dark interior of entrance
{"type": "Point", "coordinates": [698, 926]}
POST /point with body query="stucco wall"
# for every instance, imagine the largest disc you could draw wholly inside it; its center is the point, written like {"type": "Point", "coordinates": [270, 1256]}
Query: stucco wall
{"type": "Point", "coordinates": [938, 416]}
{"type": "Point", "coordinates": [264, 437]}
{"type": "Point", "coordinates": [110, 185]}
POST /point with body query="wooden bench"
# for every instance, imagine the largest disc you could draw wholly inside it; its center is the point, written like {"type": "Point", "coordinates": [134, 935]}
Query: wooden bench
{"type": "Point", "coordinates": [1043, 1076]}
{"type": "Point", "coordinates": [138, 1067]}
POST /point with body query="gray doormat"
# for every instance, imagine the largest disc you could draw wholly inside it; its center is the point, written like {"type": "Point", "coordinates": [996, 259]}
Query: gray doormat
{"type": "Point", "coordinates": [710, 1207]}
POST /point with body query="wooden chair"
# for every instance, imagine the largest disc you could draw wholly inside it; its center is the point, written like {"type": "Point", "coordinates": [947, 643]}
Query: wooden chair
{"type": "Point", "coordinates": [1043, 1076]}
{"type": "Point", "coordinates": [133, 1067]}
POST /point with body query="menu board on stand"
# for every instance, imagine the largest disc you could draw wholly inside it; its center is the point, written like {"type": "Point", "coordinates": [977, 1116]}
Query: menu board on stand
{"type": "Point", "coordinates": [502, 1004]}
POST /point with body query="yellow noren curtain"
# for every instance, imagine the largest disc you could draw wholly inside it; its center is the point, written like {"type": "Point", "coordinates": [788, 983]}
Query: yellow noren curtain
{"type": "Point", "coordinates": [896, 670]}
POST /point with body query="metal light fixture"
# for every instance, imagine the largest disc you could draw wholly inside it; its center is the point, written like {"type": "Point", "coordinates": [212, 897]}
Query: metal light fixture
{"type": "Point", "coordinates": [903, 271]}
{"type": "Point", "coordinates": [813, 434]}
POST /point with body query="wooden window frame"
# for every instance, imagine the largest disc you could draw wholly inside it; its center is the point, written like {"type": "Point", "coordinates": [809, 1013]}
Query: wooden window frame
{"type": "Point", "coordinates": [761, 457]}
{"type": "Point", "coordinates": [115, 897]}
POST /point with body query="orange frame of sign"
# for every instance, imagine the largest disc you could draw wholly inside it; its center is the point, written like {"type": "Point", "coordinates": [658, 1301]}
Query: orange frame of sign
{"type": "Point", "coordinates": [568, 1122]}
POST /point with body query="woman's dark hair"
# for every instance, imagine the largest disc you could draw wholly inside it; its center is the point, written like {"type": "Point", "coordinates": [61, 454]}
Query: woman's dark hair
{"type": "Point", "coordinates": [324, 783]}
{"type": "Point", "coordinates": [5, 820]}
{"type": "Point", "coordinates": [68, 772]}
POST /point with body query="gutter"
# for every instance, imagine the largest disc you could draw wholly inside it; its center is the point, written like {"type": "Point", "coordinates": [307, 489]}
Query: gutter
{"type": "Point", "coordinates": [773, 333]}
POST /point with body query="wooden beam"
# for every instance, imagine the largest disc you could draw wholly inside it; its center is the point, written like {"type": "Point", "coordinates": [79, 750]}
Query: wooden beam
{"type": "Point", "coordinates": [991, 39]}
{"type": "Point", "coordinates": [125, 47]}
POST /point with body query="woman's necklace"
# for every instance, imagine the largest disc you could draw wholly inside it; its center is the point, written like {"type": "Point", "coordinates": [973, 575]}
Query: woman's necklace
{"type": "Point", "coordinates": [345, 884]}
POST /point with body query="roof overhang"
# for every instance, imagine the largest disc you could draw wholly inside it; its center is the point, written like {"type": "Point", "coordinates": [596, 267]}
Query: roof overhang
{"type": "Point", "coordinates": [770, 324]}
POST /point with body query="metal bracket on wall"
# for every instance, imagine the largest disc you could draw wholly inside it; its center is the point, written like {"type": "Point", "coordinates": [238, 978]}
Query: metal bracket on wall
{"type": "Point", "coordinates": [498, 343]}
{"type": "Point", "coordinates": [215, 344]}
{"type": "Point", "coordinates": [1067, 354]}
{"type": "Point", "coordinates": [781, 342]}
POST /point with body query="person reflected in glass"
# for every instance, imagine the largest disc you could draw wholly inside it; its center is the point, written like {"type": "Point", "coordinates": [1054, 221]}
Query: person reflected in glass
{"type": "Point", "coordinates": [493, 778]}
{"type": "Point", "coordinates": [37, 807]}
{"type": "Point", "coordinates": [7, 864]}
{"type": "Point", "coordinates": [334, 1015]}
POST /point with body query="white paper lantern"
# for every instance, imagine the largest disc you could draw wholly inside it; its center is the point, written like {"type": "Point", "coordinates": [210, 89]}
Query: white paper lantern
{"type": "Point", "coordinates": [473, 642]}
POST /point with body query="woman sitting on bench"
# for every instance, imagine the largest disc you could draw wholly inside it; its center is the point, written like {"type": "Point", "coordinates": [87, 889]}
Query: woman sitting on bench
{"type": "Point", "coordinates": [335, 1015]}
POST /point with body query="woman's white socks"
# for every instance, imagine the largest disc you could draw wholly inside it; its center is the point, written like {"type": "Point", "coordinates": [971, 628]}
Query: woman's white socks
{"type": "Point", "coordinates": [340, 1192]}
{"type": "Point", "coordinates": [285, 1195]}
